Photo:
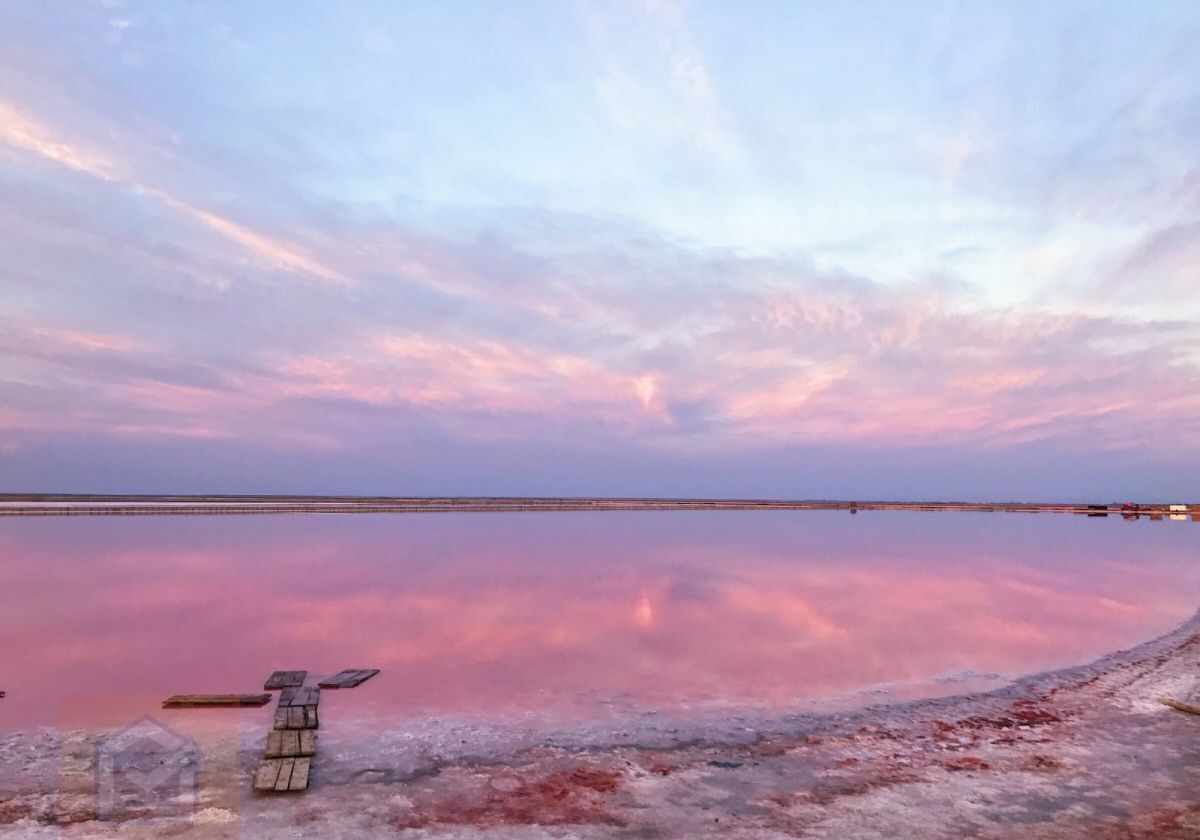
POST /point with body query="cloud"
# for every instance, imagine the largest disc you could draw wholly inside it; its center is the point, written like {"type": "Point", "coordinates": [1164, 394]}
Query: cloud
{"type": "Point", "coordinates": [658, 84]}
{"type": "Point", "coordinates": [1165, 263]}
{"type": "Point", "coordinates": [239, 275]}
{"type": "Point", "coordinates": [684, 351]}
{"type": "Point", "coordinates": [21, 131]}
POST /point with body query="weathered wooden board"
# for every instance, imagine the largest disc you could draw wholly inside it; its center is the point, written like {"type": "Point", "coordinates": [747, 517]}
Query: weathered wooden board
{"type": "Point", "coordinates": [349, 678]}
{"type": "Point", "coordinates": [300, 768]}
{"type": "Point", "coordinates": [200, 701]}
{"type": "Point", "coordinates": [296, 717]}
{"type": "Point", "coordinates": [304, 696]}
{"type": "Point", "coordinates": [308, 743]}
{"type": "Point", "coordinates": [286, 767]}
{"type": "Point", "coordinates": [283, 775]}
{"type": "Point", "coordinates": [267, 775]}
{"type": "Point", "coordinates": [285, 679]}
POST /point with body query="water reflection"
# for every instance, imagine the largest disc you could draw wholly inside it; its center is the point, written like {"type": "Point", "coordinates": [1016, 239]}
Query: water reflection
{"type": "Point", "coordinates": [573, 613]}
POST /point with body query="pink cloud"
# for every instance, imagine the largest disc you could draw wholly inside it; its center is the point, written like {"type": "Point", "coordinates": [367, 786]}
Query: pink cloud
{"type": "Point", "coordinates": [20, 131]}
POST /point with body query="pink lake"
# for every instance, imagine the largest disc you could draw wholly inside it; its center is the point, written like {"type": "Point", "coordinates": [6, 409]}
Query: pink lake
{"type": "Point", "coordinates": [577, 615]}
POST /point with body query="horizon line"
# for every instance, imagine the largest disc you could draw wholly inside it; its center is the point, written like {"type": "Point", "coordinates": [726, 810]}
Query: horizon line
{"type": "Point", "coordinates": [47, 504]}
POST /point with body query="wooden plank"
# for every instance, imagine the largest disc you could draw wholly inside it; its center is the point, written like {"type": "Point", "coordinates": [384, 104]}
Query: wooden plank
{"type": "Point", "coordinates": [287, 743]}
{"type": "Point", "coordinates": [1180, 706]}
{"type": "Point", "coordinates": [286, 695]}
{"type": "Point", "coordinates": [305, 696]}
{"type": "Point", "coordinates": [268, 775]}
{"type": "Point", "coordinates": [300, 768]}
{"type": "Point", "coordinates": [360, 677]}
{"type": "Point", "coordinates": [296, 717]}
{"type": "Point", "coordinates": [337, 679]}
{"type": "Point", "coordinates": [285, 774]}
{"type": "Point", "coordinates": [214, 701]}
{"type": "Point", "coordinates": [349, 678]}
{"type": "Point", "coordinates": [284, 679]}
{"type": "Point", "coordinates": [308, 743]}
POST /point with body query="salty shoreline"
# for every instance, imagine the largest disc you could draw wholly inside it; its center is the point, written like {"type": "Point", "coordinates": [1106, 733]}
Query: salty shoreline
{"type": "Point", "coordinates": [49, 504]}
{"type": "Point", "coordinates": [1084, 751]}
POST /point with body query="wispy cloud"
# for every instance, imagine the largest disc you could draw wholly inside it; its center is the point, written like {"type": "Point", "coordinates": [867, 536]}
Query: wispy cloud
{"type": "Point", "coordinates": [22, 132]}
{"type": "Point", "coordinates": [683, 259]}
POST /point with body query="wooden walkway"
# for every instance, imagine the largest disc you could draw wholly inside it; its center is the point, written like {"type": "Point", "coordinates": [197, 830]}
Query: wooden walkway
{"type": "Point", "coordinates": [292, 744]}
{"type": "Point", "coordinates": [91, 505]}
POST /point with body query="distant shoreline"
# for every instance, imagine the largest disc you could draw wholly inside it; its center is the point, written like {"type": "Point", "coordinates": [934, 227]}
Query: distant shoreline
{"type": "Point", "coordinates": [69, 504]}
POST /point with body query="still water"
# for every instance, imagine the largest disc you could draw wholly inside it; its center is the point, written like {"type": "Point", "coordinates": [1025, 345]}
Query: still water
{"type": "Point", "coordinates": [577, 614]}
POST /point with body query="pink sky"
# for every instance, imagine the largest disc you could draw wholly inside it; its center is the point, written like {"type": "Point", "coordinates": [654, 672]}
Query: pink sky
{"type": "Point", "coordinates": [223, 271]}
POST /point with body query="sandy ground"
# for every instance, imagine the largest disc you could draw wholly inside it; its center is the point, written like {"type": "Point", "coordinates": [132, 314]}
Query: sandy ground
{"type": "Point", "coordinates": [1086, 752]}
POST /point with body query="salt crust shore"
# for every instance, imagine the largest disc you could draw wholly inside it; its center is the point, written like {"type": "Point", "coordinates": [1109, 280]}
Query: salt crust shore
{"type": "Point", "coordinates": [1082, 752]}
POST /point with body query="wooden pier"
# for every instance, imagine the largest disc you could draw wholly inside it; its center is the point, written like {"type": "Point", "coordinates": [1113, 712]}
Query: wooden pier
{"type": "Point", "coordinates": [292, 744]}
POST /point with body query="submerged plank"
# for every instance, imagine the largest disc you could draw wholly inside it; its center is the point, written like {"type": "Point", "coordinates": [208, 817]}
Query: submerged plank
{"type": "Point", "coordinates": [299, 780]}
{"type": "Point", "coordinates": [349, 678]}
{"type": "Point", "coordinates": [199, 701]}
{"type": "Point", "coordinates": [285, 679]}
{"type": "Point", "coordinates": [268, 775]}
